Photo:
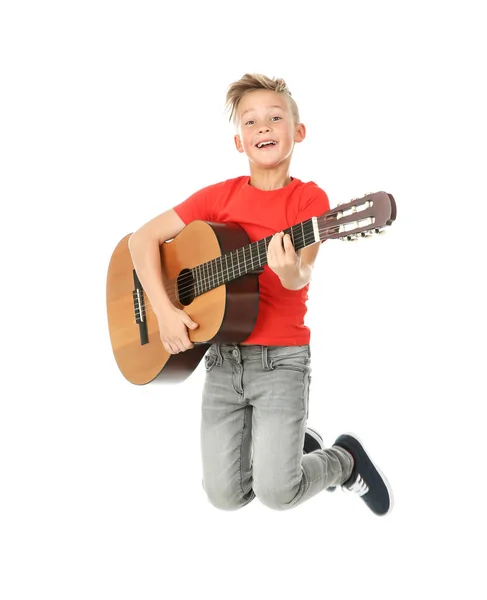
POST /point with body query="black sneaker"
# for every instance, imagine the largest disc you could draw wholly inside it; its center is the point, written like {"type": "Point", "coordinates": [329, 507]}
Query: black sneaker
{"type": "Point", "coordinates": [314, 441]}
{"type": "Point", "coordinates": [366, 479]}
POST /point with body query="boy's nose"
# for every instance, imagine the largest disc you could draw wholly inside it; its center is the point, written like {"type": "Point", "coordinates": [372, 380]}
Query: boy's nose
{"type": "Point", "coordinates": [263, 128]}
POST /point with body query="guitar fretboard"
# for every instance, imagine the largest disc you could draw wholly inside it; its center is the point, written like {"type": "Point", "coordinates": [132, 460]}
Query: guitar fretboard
{"type": "Point", "coordinates": [239, 262]}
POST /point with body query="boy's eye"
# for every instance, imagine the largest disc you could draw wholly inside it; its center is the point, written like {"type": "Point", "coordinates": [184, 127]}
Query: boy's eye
{"type": "Point", "coordinates": [276, 118]}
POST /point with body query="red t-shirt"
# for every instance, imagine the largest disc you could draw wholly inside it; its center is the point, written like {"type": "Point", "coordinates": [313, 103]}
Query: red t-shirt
{"type": "Point", "coordinates": [280, 320]}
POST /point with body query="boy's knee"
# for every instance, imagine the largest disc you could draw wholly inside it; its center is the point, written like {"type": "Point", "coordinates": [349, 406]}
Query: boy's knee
{"type": "Point", "coordinates": [227, 499]}
{"type": "Point", "coordinates": [276, 498]}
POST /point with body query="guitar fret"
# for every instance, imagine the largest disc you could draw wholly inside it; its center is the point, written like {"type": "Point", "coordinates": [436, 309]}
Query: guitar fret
{"type": "Point", "coordinates": [220, 274]}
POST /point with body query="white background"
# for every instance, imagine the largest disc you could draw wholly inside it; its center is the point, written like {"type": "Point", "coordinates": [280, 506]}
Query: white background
{"type": "Point", "coordinates": [112, 112]}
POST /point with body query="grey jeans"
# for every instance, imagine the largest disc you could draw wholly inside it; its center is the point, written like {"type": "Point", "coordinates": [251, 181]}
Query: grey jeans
{"type": "Point", "coordinates": [254, 415]}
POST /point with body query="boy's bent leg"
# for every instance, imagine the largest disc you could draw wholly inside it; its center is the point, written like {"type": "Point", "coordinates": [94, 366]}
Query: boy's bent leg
{"type": "Point", "coordinates": [283, 477]}
{"type": "Point", "coordinates": [226, 423]}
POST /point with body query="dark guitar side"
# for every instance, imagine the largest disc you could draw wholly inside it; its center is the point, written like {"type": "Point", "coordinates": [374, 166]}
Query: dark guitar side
{"type": "Point", "coordinates": [225, 314]}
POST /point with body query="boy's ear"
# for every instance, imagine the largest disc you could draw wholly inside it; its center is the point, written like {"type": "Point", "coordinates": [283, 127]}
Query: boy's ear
{"type": "Point", "coordinates": [238, 143]}
{"type": "Point", "coordinates": [300, 133]}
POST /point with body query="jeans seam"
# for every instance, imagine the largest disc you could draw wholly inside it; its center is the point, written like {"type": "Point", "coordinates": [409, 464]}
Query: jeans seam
{"type": "Point", "coordinates": [241, 450]}
{"type": "Point", "coordinates": [240, 391]}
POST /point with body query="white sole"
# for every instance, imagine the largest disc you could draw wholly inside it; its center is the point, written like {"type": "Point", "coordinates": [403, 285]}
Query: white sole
{"type": "Point", "coordinates": [316, 436]}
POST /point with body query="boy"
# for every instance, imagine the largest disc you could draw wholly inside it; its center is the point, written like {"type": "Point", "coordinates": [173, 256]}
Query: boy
{"type": "Point", "coordinates": [255, 396]}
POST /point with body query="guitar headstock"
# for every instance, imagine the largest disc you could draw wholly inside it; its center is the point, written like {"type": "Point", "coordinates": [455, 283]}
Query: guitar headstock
{"type": "Point", "coordinates": [360, 217]}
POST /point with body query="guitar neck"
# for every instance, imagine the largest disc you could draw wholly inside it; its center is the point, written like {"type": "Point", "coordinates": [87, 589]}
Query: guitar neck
{"type": "Point", "coordinates": [244, 260]}
{"type": "Point", "coordinates": [360, 216]}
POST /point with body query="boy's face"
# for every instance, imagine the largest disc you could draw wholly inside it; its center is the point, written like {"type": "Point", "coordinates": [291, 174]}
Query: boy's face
{"type": "Point", "coordinates": [265, 116]}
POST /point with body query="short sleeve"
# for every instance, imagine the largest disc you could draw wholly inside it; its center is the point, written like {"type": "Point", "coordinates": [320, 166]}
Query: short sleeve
{"type": "Point", "coordinates": [314, 203]}
{"type": "Point", "coordinates": [199, 206]}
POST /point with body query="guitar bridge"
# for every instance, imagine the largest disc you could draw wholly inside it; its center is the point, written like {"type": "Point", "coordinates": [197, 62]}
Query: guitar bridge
{"type": "Point", "coordinates": [139, 310]}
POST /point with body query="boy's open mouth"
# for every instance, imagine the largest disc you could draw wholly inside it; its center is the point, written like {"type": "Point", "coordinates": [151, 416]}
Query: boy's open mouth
{"type": "Point", "coordinates": [266, 144]}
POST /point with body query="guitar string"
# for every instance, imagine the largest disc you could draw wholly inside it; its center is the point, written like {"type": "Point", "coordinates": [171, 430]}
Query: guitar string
{"type": "Point", "coordinates": [202, 282]}
{"type": "Point", "coordinates": [211, 278]}
{"type": "Point", "coordinates": [247, 261]}
{"type": "Point", "coordinates": [171, 289]}
{"type": "Point", "coordinates": [188, 281]}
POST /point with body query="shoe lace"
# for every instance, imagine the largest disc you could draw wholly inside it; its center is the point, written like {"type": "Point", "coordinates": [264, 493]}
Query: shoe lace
{"type": "Point", "coordinates": [358, 487]}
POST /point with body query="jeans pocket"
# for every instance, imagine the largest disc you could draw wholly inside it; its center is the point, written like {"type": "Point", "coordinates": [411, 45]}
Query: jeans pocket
{"type": "Point", "coordinates": [297, 362]}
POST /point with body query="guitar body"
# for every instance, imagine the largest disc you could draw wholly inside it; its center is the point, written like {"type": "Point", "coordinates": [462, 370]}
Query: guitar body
{"type": "Point", "coordinates": [224, 314]}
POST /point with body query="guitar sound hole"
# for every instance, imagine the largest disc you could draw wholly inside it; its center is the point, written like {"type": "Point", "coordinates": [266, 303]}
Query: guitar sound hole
{"type": "Point", "coordinates": [186, 287]}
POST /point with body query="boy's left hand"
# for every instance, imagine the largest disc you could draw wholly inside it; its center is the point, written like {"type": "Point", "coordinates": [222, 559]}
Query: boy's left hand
{"type": "Point", "coordinates": [282, 258]}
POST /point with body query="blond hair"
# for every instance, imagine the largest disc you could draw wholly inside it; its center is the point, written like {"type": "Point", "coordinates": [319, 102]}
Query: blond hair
{"type": "Point", "coordinates": [251, 82]}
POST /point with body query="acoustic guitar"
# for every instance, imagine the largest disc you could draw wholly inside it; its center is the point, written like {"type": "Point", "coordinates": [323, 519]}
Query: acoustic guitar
{"type": "Point", "coordinates": [210, 270]}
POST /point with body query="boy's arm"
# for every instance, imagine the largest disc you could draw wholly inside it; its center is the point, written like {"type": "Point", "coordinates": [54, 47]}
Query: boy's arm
{"type": "Point", "coordinates": [307, 259]}
{"type": "Point", "coordinates": [293, 268]}
{"type": "Point", "coordinates": [144, 248]}
{"type": "Point", "coordinates": [145, 252]}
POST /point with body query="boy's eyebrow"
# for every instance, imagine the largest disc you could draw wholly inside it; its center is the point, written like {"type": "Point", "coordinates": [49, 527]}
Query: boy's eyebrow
{"type": "Point", "coordinates": [270, 106]}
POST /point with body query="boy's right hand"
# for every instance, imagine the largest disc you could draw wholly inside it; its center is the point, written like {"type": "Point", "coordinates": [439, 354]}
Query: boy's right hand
{"type": "Point", "coordinates": [173, 329]}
